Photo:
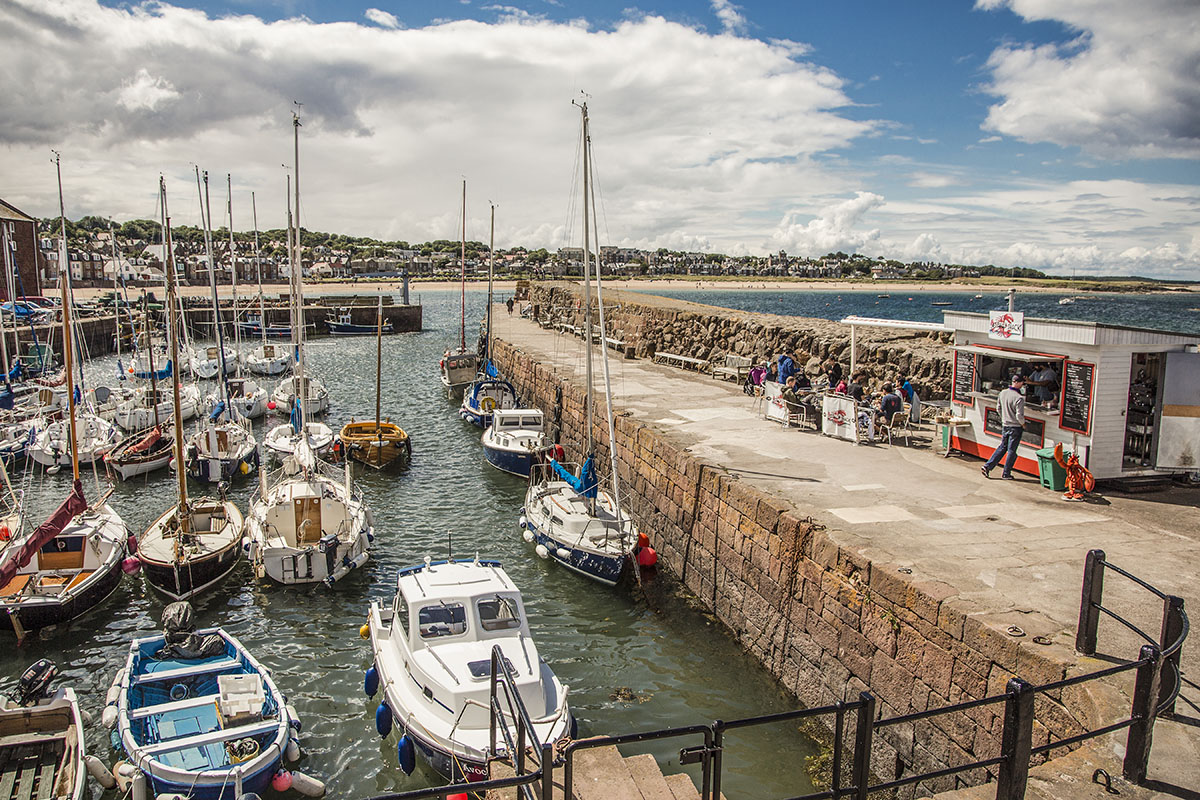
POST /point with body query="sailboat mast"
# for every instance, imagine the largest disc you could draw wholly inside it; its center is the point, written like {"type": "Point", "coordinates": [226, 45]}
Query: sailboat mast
{"type": "Point", "coordinates": [173, 342]}
{"type": "Point", "coordinates": [297, 274]}
{"type": "Point", "coordinates": [150, 351]}
{"type": "Point", "coordinates": [8, 267]}
{"type": "Point", "coordinates": [587, 279]}
{"type": "Point", "coordinates": [491, 269]}
{"type": "Point", "coordinates": [206, 219]}
{"type": "Point", "coordinates": [463, 240]}
{"type": "Point", "coordinates": [262, 314]}
{"type": "Point", "coordinates": [237, 335]}
{"type": "Point", "coordinates": [378, 363]}
{"type": "Point", "coordinates": [64, 274]}
{"type": "Point", "coordinates": [112, 240]}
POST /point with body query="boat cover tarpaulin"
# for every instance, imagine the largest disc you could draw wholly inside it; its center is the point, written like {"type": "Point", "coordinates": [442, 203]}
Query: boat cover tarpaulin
{"type": "Point", "coordinates": [158, 374]}
{"type": "Point", "coordinates": [217, 411]}
{"type": "Point", "coordinates": [586, 483]}
{"type": "Point", "coordinates": [151, 438]}
{"type": "Point", "coordinates": [74, 505]}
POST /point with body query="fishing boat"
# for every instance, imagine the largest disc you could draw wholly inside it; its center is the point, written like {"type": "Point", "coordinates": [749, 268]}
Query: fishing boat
{"type": "Point", "coordinates": [382, 442]}
{"type": "Point", "coordinates": [458, 365]}
{"type": "Point", "coordinates": [309, 523]}
{"type": "Point", "coordinates": [42, 747]}
{"type": "Point", "coordinates": [142, 452]}
{"type": "Point", "coordinates": [194, 543]}
{"type": "Point", "coordinates": [198, 716]}
{"type": "Point", "coordinates": [515, 440]}
{"type": "Point", "coordinates": [252, 328]}
{"type": "Point", "coordinates": [567, 516]}
{"type": "Point", "coordinates": [433, 645]}
{"type": "Point", "coordinates": [344, 325]}
{"type": "Point", "coordinates": [73, 560]}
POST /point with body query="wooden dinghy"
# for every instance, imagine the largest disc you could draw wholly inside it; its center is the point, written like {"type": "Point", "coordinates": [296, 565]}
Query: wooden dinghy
{"type": "Point", "coordinates": [41, 740]}
{"type": "Point", "coordinates": [376, 444]}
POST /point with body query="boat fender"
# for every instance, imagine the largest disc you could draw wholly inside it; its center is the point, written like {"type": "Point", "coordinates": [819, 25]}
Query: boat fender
{"type": "Point", "coordinates": [282, 781]}
{"type": "Point", "coordinates": [307, 785]}
{"type": "Point", "coordinates": [406, 754]}
{"type": "Point", "coordinates": [523, 523]}
{"type": "Point", "coordinates": [383, 720]}
{"type": "Point", "coordinates": [542, 551]}
{"type": "Point", "coordinates": [131, 565]}
{"type": "Point", "coordinates": [108, 718]}
{"type": "Point", "coordinates": [365, 633]}
{"type": "Point", "coordinates": [292, 752]}
{"type": "Point", "coordinates": [87, 717]}
{"type": "Point", "coordinates": [646, 557]}
{"type": "Point", "coordinates": [294, 717]}
{"type": "Point", "coordinates": [97, 770]}
{"type": "Point", "coordinates": [138, 787]}
{"type": "Point", "coordinates": [370, 535]}
{"type": "Point", "coordinates": [123, 772]}
{"type": "Point", "coordinates": [250, 796]}
{"type": "Point", "coordinates": [527, 536]}
{"type": "Point", "coordinates": [132, 544]}
{"type": "Point", "coordinates": [371, 681]}
{"type": "Point", "coordinates": [563, 553]}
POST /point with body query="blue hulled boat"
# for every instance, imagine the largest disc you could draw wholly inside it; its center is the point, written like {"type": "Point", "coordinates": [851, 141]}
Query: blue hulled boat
{"type": "Point", "coordinates": [198, 715]}
{"type": "Point", "coordinates": [486, 395]}
{"type": "Point", "coordinates": [515, 440]}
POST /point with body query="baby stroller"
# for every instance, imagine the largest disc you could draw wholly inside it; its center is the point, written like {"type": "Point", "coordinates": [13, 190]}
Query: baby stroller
{"type": "Point", "coordinates": [754, 379]}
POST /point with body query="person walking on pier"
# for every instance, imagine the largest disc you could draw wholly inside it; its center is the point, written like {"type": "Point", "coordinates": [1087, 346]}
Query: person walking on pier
{"type": "Point", "coordinates": [1011, 405]}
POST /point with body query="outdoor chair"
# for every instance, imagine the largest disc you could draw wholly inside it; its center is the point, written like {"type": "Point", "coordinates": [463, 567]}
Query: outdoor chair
{"type": "Point", "coordinates": [900, 425]}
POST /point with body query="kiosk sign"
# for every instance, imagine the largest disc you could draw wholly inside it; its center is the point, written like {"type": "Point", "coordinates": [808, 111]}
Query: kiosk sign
{"type": "Point", "coordinates": [1007, 326]}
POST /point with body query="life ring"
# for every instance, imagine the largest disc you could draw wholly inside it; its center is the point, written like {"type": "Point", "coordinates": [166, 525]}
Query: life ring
{"type": "Point", "coordinates": [488, 404]}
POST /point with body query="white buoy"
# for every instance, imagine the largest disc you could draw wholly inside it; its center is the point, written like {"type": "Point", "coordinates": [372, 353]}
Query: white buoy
{"type": "Point", "coordinates": [108, 717]}
{"type": "Point", "coordinates": [87, 717]}
{"type": "Point", "coordinates": [114, 691]}
{"type": "Point", "coordinates": [97, 770]}
{"type": "Point", "coordinates": [125, 772]}
{"type": "Point", "coordinates": [139, 786]}
{"type": "Point", "coordinates": [307, 785]}
{"type": "Point", "coordinates": [292, 752]}
{"type": "Point", "coordinates": [527, 536]}
{"type": "Point", "coordinates": [523, 523]}
{"type": "Point", "coordinates": [542, 551]}
{"type": "Point", "coordinates": [293, 717]}
{"type": "Point", "coordinates": [563, 553]}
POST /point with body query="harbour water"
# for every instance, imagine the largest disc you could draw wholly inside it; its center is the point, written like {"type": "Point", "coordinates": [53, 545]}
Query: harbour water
{"type": "Point", "coordinates": [1172, 312]}
{"type": "Point", "coordinates": [678, 665]}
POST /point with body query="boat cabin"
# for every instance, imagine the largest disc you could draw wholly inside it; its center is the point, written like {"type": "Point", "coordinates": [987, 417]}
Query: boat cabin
{"type": "Point", "coordinates": [510, 420]}
{"type": "Point", "coordinates": [459, 368]}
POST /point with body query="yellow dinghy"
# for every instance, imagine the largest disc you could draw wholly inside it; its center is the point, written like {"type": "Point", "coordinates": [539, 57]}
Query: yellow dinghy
{"type": "Point", "coordinates": [376, 444]}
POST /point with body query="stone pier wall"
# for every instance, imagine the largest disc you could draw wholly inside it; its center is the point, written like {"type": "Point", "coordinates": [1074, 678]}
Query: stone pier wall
{"type": "Point", "coordinates": [827, 622]}
{"type": "Point", "coordinates": [648, 325]}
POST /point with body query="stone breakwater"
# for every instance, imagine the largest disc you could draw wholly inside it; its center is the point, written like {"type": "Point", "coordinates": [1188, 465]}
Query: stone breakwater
{"type": "Point", "coordinates": [649, 324]}
{"type": "Point", "coordinates": [825, 620]}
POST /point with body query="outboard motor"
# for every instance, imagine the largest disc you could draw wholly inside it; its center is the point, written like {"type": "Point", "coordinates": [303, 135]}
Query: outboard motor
{"type": "Point", "coordinates": [329, 546]}
{"type": "Point", "coordinates": [34, 683]}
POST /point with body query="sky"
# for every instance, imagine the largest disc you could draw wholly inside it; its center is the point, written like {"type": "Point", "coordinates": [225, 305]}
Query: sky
{"type": "Point", "coordinates": [1061, 135]}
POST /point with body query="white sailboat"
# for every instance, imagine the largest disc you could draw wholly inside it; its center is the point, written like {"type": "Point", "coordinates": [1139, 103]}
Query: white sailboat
{"type": "Point", "coordinates": [458, 365]}
{"type": "Point", "coordinates": [309, 523]}
{"type": "Point", "coordinates": [568, 516]}
{"type": "Point", "coordinates": [266, 358]}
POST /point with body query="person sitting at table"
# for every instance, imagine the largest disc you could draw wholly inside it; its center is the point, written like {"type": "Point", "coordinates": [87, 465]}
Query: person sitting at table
{"type": "Point", "coordinates": [772, 371]}
{"type": "Point", "coordinates": [833, 371]}
{"type": "Point", "coordinates": [787, 367]}
{"type": "Point", "coordinates": [855, 387]}
{"type": "Point", "coordinates": [889, 405]}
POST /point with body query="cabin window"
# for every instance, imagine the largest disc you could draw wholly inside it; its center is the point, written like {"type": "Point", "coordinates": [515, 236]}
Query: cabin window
{"type": "Point", "coordinates": [531, 422]}
{"type": "Point", "coordinates": [443, 619]}
{"type": "Point", "coordinates": [499, 613]}
{"type": "Point", "coordinates": [400, 608]}
{"type": "Point", "coordinates": [556, 521]}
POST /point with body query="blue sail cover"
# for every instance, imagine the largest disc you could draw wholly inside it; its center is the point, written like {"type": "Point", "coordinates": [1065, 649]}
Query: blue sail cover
{"type": "Point", "coordinates": [15, 374]}
{"type": "Point", "coordinates": [586, 484]}
{"type": "Point", "coordinates": [490, 370]}
{"type": "Point", "coordinates": [295, 418]}
{"type": "Point", "coordinates": [159, 374]}
{"type": "Point", "coordinates": [217, 411]}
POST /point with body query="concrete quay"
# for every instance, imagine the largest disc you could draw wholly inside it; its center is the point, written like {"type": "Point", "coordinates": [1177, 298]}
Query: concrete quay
{"type": "Point", "coordinates": [888, 568]}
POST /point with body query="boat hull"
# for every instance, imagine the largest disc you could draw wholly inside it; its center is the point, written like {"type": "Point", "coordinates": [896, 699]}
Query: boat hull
{"type": "Point", "coordinates": [351, 329]}
{"type": "Point", "coordinates": [514, 462]}
{"type": "Point", "coordinates": [54, 611]}
{"type": "Point", "coordinates": [195, 576]}
{"type": "Point", "coordinates": [606, 569]}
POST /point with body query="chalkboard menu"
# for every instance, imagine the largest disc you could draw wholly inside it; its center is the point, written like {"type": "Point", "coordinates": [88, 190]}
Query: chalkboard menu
{"type": "Point", "coordinates": [1076, 413]}
{"type": "Point", "coordinates": [1035, 429]}
{"type": "Point", "coordinates": [964, 378]}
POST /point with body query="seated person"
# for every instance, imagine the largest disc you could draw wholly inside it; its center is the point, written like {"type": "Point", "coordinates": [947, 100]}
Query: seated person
{"type": "Point", "coordinates": [855, 387]}
{"type": "Point", "coordinates": [791, 394]}
{"type": "Point", "coordinates": [889, 405]}
{"type": "Point", "coordinates": [802, 381]}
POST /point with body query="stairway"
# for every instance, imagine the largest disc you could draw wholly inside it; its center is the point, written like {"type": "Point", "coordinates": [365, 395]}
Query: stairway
{"type": "Point", "coordinates": [602, 773]}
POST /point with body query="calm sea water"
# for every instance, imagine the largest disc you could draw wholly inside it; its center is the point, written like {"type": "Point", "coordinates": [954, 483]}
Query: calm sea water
{"type": "Point", "coordinates": [1171, 312]}
{"type": "Point", "coordinates": [679, 664]}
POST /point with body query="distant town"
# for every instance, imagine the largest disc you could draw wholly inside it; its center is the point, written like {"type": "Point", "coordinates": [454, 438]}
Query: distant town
{"type": "Point", "coordinates": [100, 251]}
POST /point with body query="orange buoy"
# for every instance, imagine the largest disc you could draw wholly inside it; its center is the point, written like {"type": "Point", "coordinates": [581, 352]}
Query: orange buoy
{"type": "Point", "coordinates": [643, 541]}
{"type": "Point", "coordinates": [646, 557]}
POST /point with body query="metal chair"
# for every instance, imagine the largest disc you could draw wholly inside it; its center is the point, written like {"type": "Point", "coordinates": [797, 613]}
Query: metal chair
{"type": "Point", "coordinates": [900, 425]}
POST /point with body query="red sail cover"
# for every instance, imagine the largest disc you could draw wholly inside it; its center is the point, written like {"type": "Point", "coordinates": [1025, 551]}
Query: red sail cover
{"type": "Point", "coordinates": [73, 505]}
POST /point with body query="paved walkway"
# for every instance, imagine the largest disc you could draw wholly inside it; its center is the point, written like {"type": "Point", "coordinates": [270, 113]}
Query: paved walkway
{"type": "Point", "coordinates": [1009, 552]}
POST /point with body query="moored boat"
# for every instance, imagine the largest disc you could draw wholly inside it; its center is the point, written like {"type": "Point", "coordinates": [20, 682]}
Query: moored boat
{"type": "Point", "coordinates": [270, 359]}
{"type": "Point", "coordinates": [42, 747]}
{"type": "Point", "coordinates": [483, 397]}
{"type": "Point", "coordinates": [142, 452]}
{"type": "Point", "coordinates": [515, 440]}
{"type": "Point", "coordinates": [432, 647]}
{"type": "Point", "coordinates": [191, 546]}
{"type": "Point", "coordinates": [344, 325]}
{"type": "Point", "coordinates": [376, 444]}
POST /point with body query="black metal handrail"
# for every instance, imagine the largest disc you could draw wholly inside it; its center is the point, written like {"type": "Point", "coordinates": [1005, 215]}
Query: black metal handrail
{"type": "Point", "coordinates": [1151, 697]}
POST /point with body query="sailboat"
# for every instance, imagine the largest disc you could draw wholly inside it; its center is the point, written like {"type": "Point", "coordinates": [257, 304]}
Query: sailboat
{"type": "Point", "coordinates": [147, 405]}
{"type": "Point", "coordinates": [309, 523]}
{"type": "Point", "coordinates": [567, 515]}
{"type": "Point", "coordinates": [379, 443]}
{"type": "Point", "coordinates": [266, 358]}
{"type": "Point", "coordinates": [488, 392]}
{"type": "Point", "coordinates": [458, 365]}
{"type": "Point", "coordinates": [221, 449]}
{"type": "Point", "coordinates": [73, 560]}
{"type": "Point", "coordinates": [195, 543]}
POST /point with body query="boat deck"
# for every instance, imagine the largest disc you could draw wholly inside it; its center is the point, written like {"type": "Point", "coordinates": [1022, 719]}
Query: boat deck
{"type": "Point", "coordinates": [29, 769]}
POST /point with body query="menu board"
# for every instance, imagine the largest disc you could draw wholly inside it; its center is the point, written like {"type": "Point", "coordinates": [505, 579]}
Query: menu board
{"type": "Point", "coordinates": [1035, 429]}
{"type": "Point", "coordinates": [964, 378]}
{"type": "Point", "coordinates": [1076, 413]}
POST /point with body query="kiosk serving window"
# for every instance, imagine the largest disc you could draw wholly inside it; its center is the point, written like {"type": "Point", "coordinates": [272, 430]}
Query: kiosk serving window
{"type": "Point", "coordinates": [994, 368]}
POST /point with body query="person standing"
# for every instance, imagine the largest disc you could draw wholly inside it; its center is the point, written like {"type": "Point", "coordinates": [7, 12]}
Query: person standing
{"type": "Point", "coordinates": [510, 305]}
{"type": "Point", "coordinates": [1011, 405]}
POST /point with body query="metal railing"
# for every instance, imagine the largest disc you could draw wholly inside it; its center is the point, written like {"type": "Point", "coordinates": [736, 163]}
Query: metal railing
{"type": "Point", "coordinates": [1151, 697]}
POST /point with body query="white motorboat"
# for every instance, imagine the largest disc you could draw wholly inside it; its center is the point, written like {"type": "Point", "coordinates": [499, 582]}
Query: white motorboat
{"type": "Point", "coordinates": [42, 744]}
{"type": "Point", "coordinates": [458, 365]}
{"type": "Point", "coordinates": [246, 397]}
{"type": "Point", "coordinates": [432, 647]}
{"type": "Point", "coordinates": [282, 439]}
{"type": "Point", "coordinates": [149, 406]}
{"type": "Point", "coordinates": [316, 396]}
{"type": "Point", "coordinates": [515, 440]}
{"type": "Point", "coordinates": [94, 438]}
{"type": "Point", "coordinates": [567, 516]}
{"type": "Point", "coordinates": [269, 359]}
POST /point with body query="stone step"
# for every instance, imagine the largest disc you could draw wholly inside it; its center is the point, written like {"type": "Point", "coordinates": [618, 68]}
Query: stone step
{"type": "Point", "coordinates": [601, 774]}
{"type": "Point", "coordinates": [648, 777]}
{"type": "Point", "coordinates": [681, 787]}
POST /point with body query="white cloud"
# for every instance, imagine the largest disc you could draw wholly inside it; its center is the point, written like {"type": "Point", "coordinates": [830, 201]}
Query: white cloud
{"type": "Point", "coordinates": [836, 228]}
{"type": "Point", "coordinates": [1125, 87]}
{"type": "Point", "coordinates": [730, 15]}
{"type": "Point", "coordinates": [382, 18]}
{"type": "Point", "coordinates": [145, 93]}
{"type": "Point", "coordinates": [930, 180]}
